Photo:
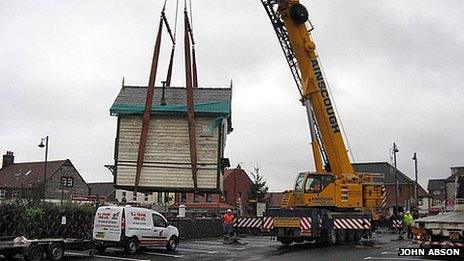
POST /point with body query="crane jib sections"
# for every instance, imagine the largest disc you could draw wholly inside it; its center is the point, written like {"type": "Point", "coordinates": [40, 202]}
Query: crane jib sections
{"type": "Point", "coordinates": [325, 96]}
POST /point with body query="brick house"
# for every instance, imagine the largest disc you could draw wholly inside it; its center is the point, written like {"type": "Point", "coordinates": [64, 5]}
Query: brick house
{"type": "Point", "coordinates": [450, 187]}
{"type": "Point", "coordinates": [236, 186]}
{"type": "Point", "coordinates": [104, 190]}
{"type": "Point", "coordinates": [274, 199]}
{"type": "Point", "coordinates": [201, 205]}
{"type": "Point", "coordinates": [406, 186]}
{"type": "Point", "coordinates": [24, 180]}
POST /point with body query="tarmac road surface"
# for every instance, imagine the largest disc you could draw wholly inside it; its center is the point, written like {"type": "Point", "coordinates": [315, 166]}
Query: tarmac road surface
{"type": "Point", "coordinates": [258, 248]}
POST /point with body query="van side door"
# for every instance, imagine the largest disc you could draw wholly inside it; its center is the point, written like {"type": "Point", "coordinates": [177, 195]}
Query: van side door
{"type": "Point", "coordinates": [160, 227]}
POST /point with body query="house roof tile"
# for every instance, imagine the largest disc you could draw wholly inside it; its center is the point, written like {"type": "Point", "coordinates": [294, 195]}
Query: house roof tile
{"type": "Point", "coordinates": [173, 95]}
{"type": "Point", "coordinates": [436, 184]}
{"type": "Point", "coordinates": [101, 188]}
{"type": "Point", "coordinates": [28, 174]}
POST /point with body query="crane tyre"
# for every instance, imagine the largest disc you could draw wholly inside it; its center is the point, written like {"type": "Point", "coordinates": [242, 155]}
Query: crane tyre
{"type": "Point", "coordinates": [350, 235]}
{"type": "Point", "coordinates": [329, 237]}
{"type": "Point", "coordinates": [341, 236]}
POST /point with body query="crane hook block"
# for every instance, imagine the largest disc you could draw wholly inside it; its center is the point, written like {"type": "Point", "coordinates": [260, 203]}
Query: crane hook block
{"type": "Point", "coordinates": [299, 14]}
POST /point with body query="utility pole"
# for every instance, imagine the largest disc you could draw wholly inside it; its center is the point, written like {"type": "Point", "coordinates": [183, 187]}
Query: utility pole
{"type": "Point", "coordinates": [414, 158]}
{"type": "Point", "coordinates": [395, 150]}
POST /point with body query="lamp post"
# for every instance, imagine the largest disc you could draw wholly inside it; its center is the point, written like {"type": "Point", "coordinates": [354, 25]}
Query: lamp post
{"type": "Point", "coordinates": [414, 158]}
{"type": "Point", "coordinates": [395, 150]}
{"type": "Point", "coordinates": [41, 145]}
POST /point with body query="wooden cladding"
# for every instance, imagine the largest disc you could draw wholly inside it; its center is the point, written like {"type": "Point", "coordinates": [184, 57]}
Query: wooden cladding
{"type": "Point", "coordinates": [167, 162]}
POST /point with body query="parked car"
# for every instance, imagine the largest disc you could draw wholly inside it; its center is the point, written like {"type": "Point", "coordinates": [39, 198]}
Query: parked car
{"type": "Point", "coordinates": [132, 228]}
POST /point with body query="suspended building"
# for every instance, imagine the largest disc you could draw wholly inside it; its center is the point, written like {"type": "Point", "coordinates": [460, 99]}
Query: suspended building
{"type": "Point", "coordinates": [167, 163]}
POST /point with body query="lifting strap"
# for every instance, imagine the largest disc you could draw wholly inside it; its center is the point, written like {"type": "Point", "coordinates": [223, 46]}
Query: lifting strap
{"type": "Point", "coordinates": [173, 40]}
{"type": "Point", "coordinates": [148, 104]}
{"type": "Point", "coordinates": [190, 101]}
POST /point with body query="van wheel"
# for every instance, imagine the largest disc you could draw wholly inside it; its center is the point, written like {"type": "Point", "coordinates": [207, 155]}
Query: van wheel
{"type": "Point", "coordinates": [55, 252]}
{"type": "Point", "coordinates": [172, 243]}
{"type": "Point", "coordinates": [100, 248]}
{"type": "Point", "coordinates": [132, 246]}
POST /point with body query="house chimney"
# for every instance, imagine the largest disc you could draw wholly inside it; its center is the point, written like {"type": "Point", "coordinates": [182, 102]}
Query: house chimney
{"type": "Point", "coordinates": [8, 159]}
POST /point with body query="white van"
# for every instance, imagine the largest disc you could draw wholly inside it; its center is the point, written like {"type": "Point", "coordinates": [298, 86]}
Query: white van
{"type": "Point", "coordinates": [131, 228]}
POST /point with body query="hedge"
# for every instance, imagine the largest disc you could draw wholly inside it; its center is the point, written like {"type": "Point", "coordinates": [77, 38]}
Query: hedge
{"type": "Point", "coordinates": [43, 220]}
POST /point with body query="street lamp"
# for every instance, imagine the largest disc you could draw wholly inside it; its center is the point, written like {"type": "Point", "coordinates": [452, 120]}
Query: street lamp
{"type": "Point", "coordinates": [41, 145]}
{"type": "Point", "coordinates": [414, 158]}
{"type": "Point", "coordinates": [395, 150]}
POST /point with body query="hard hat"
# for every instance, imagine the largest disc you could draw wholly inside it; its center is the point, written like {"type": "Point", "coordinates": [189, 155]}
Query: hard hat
{"type": "Point", "coordinates": [408, 212]}
{"type": "Point", "coordinates": [229, 210]}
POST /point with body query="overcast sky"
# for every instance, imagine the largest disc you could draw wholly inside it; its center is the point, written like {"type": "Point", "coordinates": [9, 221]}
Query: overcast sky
{"type": "Point", "coordinates": [396, 70]}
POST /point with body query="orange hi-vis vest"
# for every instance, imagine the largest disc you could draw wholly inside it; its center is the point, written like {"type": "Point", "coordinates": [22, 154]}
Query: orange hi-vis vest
{"type": "Point", "coordinates": [228, 218]}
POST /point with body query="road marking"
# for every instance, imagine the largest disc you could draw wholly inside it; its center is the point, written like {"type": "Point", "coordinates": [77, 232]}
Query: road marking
{"type": "Point", "coordinates": [109, 257]}
{"type": "Point", "coordinates": [162, 254]}
{"type": "Point", "coordinates": [394, 258]}
{"type": "Point", "coordinates": [389, 253]}
{"type": "Point", "coordinates": [121, 258]}
{"type": "Point", "coordinates": [222, 246]}
{"type": "Point", "coordinates": [75, 254]}
{"type": "Point", "coordinates": [196, 250]}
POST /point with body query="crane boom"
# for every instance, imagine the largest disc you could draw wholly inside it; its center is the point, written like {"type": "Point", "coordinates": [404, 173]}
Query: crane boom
{"type": "Point", "coordinates": [334, 191]}
{"type": "Point", "coordinates": [288, 18]}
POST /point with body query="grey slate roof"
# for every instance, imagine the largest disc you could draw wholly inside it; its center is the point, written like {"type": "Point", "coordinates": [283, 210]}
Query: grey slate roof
{"type": "Point", "coordinates": [101, 188]}
{"type": "Point", "coordinates": [173, 95]}
{"type": "Point", "coordinates": [385, 168]}
{"type": "Point", "coordinates": [436, 184]}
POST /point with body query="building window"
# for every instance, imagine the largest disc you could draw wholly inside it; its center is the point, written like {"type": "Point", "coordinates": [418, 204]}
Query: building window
{"type": "Point", "coordinates": [15, 194]}
{"type": "Point", "coordinates": [209, 198]}
{"type": "Point", "coordinates": [183, 197]}
{"type": "Point", "coordinates": [134, 196]}
{"type": "Point", "coordinates": [146, 196]}
{"type": "Point", "coordinates": [225, 195]}
{"type": "Point", "coordinates": [196, 197]}
{"type": "Point", "coordinates": [123, 193]}
{"type": "Point", "coordinates": [2, 194]}
{"type": "Point", "coordinates": [67, 182]}
{"type": "Point", "coordinates": [399, 190]}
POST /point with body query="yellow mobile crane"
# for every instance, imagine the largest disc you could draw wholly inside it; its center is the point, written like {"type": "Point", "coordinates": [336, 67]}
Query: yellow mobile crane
{"type": "Point", "coordinates": [334, 203]}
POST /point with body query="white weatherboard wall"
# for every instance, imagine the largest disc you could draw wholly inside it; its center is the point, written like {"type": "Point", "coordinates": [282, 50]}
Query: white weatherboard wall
{"type": "Point", "coordinates": [167, 156]}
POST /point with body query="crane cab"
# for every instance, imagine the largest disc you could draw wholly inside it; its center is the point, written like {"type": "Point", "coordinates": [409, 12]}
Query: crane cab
{"type": "Point", "coordinates": [321, 189]}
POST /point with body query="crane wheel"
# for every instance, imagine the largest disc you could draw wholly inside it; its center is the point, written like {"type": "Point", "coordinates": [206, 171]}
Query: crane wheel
{"type": "Point", "coordinates": [299, 13]}
{"type": "Point", "coordinates": [350, 235]}
{"type": "Point", "coordinates": [329, 237]}
{"type": "Point", "coordinates": [341, 236]}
